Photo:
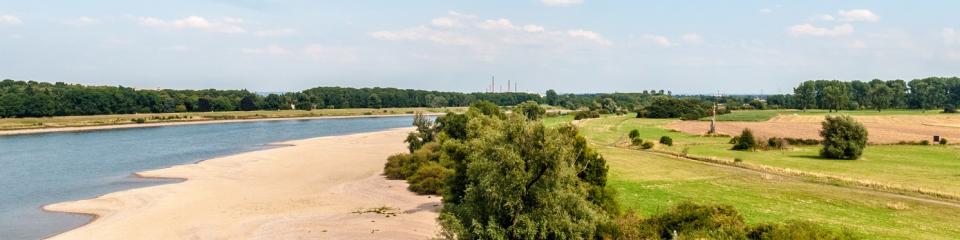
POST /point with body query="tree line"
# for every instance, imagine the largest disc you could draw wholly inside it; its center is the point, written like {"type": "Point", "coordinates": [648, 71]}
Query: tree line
{"type": "Point", "coordinates": [835, 95]}
{"type": "Point", "coordinates": [42, 99]}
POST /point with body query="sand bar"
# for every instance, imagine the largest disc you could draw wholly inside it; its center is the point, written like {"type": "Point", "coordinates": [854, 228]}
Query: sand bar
{"type": "Point", "coordinates": [309, 190]}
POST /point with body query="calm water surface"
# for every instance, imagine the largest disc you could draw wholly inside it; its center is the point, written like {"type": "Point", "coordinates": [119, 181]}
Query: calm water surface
{"type": "Point", "coordinates": [36, 170]}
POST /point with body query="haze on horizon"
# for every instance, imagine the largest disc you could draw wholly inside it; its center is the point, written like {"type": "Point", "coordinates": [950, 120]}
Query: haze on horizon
{"type": "Point", "coordinates": [569, 45]}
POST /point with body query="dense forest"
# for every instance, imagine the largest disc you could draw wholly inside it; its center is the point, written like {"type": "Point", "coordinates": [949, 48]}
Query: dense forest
{"type": "Point", "coordinates": [39, 99]}
{"type": "Point", "coordinates": [927, 93]}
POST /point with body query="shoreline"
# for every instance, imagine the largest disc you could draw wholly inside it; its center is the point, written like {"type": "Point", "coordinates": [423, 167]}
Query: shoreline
{"type": "Point", "coordinates": [186, 122]}
{"type": "Point", "coordinates": [132, 212]}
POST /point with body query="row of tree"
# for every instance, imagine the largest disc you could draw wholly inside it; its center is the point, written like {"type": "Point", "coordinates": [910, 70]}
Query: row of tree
{"type": "Point", "coordinates": [40, 99]}
{"type": "Point", "coordinates": [927, 93]}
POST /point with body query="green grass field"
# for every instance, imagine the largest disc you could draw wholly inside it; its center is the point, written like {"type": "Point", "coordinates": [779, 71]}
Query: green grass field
{"type": "Point", "coordinates": [764, 115]}
{"type": "Point", "coordinates": [650, 182]}
{"type": "Point", "coordinates": [100, 120]}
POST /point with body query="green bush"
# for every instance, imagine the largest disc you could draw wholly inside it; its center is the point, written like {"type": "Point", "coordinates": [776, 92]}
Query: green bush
{"type": "Point", "coordinates": [531, 109]}
{"type": "Point", "coordinates": [696, 221]}
{"type": "Point", "coordinates": [584, 114]}
{"type": "Point", "coordinates": [950, 108]}
{"type": "Point", "coordinates": [636, 141]}
{"type": "Point", "coordinates": [428, 179]}
{"type": "Point", "coordinates": [924, 142]}
{"type": "Point", "coordinates": [646, 145]}
{"type": "Point", "coordinates": [798, 230]}
{"type": "Point", "coordinates": [634, 133]}
{"type": "Point", "coordinates": [402, 166]}
{"type": "Point", "coordinates": [943, 141]}
{"type": "Point", "coordinates": [138, 120]}
{"type": "Point", "coordinates": [665, 140]}
{"type": "Point", "coordinates": [776, 143]}
{"type": "Point", "coordinates": [843, 138]}
{"type": "Point", "coordinates": [745, 141]}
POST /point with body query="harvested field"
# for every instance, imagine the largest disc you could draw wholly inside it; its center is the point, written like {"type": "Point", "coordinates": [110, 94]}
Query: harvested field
{"type": "Point", "coordinates": [882, 129]}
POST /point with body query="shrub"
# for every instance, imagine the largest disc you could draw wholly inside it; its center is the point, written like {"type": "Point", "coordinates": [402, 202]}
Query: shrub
{"type": "Point", "coordinates": [745, 141]}
{"type": "Point", "coordinates": [943, 141]}
{"type": "Point", "coordinates": [138, 120]}
{"type": "Point", "coordinates": [634, 133]}
{"type": "Point", "coordinates": [950, 108]}
{"type": "Point", "coordinates": [402, 166]}
{"type": "Point", "coordinates": [798, 230]}
{"type": "Point", "coordinates": [695, 221]}
{"type": "Point", "coordinates": [636, 141]}
{"type": "Point", "coordinates": [925, 142]}
{"type": "Point", "coordinates": [801, 141]}
{"type": "Point", "coordinates": [584, 114]}
{"type": "Point", "coordinates": [531, 109]}
{"type": "Point", "coordinates": [665, 140]}
{"type": "Point", "coordinates": [647, 145]}
{"type": "Point", "coordinates": [428, 179]}
{"type": "Point", "coordinates": [776, 143]}
{"type": "Point", "coordinates": [737, 160]}
{"type": "Point", "coordinates": [843, 138]}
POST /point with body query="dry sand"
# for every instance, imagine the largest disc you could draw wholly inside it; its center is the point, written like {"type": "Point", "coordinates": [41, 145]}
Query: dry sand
{"type": "Point", "coordinates": [881, 129]}
{"type": "Point", "coordinates": [309, 190]}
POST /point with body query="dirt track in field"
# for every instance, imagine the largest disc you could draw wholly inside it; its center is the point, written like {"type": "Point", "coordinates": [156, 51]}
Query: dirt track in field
{"type": "Point", "coordinates": [882, 129]}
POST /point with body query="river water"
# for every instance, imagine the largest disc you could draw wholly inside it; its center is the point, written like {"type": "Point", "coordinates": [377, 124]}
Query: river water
{"type": "Point", "coordinates": [40, 169]}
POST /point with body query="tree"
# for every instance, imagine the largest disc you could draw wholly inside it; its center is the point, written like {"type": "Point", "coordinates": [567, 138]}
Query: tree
{"type": "Point", "coordinates": [835, 97]}
{"type": "Point", "coordinates": [843, 138]}
{"type": "Point", "coordinates": [248, 103]}
{"type": "Point", "coordinates": [373, 101]}
{"type": "Point", "coordinates": [806, 95]}
{"type": "Point", "coordinates": [745, 141]}
{"type": "Point", "coordinates": [204, 105]}
{"type": "Point", "coordinates": [881, 96]}
{"type": "Point", "coordinates": [532, 110]}
{"type": "Point", "coordinates": [552, 98]}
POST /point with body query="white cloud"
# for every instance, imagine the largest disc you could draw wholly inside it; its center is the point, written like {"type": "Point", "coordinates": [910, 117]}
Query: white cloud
{"type": "Point", "coordinates": [950, 36]}
{"type": "Point", "coordinates": [9, 20]}
{"type": "Point", "coordinates": [588, 35]}
{"type": "Point", "coordinates": [533, 28]}
{"type": "Point", "coordinates": [858, 15]}
{"type": "Point", "coordinates": [283, 32]}
{"type": "Point", "coordinates": [692, 38]}
{"type": "Point", "coordinates": [269, 50]}
{"type": "Point", "coordinates": [227, 25]}
{"type": "Point", "coordinates": [659, 40]}
{"type": "Point", "coordinates": [499, 24]}
{"type": "Point", "coordinates": [810, 30]}
{"type": "Point", "coordinates": [561, 3]}
{"type": "Point", "coordinates": [82, 21]}
{"type": "Point", "coordinates": [445, 22]}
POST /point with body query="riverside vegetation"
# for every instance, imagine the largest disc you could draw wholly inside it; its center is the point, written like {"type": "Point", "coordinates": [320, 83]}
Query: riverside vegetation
{"type": "Point", "coordinates": [508, 176]}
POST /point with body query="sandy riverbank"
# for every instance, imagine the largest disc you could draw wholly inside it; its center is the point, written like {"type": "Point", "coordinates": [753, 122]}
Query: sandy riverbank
{"type": "Point", "coordinates": [306, 191]}
{"type": "Point", "coordinates": [186, 122]}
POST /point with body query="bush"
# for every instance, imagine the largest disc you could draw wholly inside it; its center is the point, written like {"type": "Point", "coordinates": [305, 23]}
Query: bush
{"type": "Point", "coordinates": [801, 141]}
{"type": "Point", "coordinates": [695, 221]}
{"type": "Point", "coordinates": [843, 138]}
{"type": "Point", "coordinates": [584, 114]}
{"type": "Point", "coordinates": [647, 145]}
{"type": "Point", "coordinates": [636, 141]}
{"type": "Point", "coordinates": [665, 140]}
{"type": "Point", "coordinates": [745, 141]}
{"type": "Point", "coordinates": [634, 133]}
{"type": "Point", "coordinates": [776, 143]}
{"type": "Point", "coordinates": [402, 166]}
{"type": "Point", "coordinates": [428, 179]}
{"type": "Point", "coordinates": [950, 108]}
{"type": "Point", "coordinates": [925, 142]}
{"type": "Point", "coordinates": [798, 230]}
{"type": "Point", "coordinates": [138, 120]}
{"type": "Point", "coordinates": [943, 141]}
{"type": "Point", "coordinates": [531, 109]}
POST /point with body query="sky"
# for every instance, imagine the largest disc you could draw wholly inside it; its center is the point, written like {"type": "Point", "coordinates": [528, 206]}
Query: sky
{"type": "Point", "coordinates": [573, 46]}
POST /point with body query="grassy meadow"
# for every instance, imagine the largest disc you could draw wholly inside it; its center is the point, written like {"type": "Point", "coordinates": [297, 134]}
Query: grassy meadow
{"type": "Point", "coordinates": [101, 120]}
{"type": "Point", "coordinates": [764, 115]}
{"type": "Point", "coordinates": [649, 182]}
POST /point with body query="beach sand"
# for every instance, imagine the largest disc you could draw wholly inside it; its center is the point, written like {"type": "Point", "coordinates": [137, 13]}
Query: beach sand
{"type": "Point", "coordinates": [310, 190]}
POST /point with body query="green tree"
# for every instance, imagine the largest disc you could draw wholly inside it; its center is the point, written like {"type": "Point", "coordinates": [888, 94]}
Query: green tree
{"type": "Point", "coordinates": [881, 96]}
{"type": "Point", "coordinates": [248, 103]}
{"type": "Point", "coordinates": [843, 138]}
{"type": "Point", "coordinates": [532, 110]}
{"type": "Point", "coordinates": [552, 98]}
{"type": "Point", "coordinates": [374, 101]}
{"type": "Point", "coordinates": [836, 96]}
{"type": "Point", "coordinates": [745, 141]}
{"type": "Point", "coordinates": [806, 95]}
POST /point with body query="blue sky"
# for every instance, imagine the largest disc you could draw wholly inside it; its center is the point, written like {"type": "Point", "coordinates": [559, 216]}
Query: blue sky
{"type": "Point", "coordinates": [569, 45]}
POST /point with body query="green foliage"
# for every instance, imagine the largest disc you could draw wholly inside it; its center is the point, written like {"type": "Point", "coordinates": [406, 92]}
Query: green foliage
{"type": "Point", "coordinates": [671, 107]}
{"type": "Point", "coordinates": [745, 141]}
{"type": "Point", "coordinates": [552, 98]}
{"type": "Point", "coordinates": [402, 166]}
{"type": "Point", "coordinates": [454, 125]}
{"type": "Point", "coordinates": [798, 230]}
{"type": "Point", "coordinates": [139, 120]}
{"type": "Point", "coordinates": [646, 145]}
{"type": "Point", "coordinates": [694, 221]}
{"type": "Point", "coordinates": [943, 141]}
{"type": "Point", "coordinates": [585, 114]}
{"type": "Point", "coordinates": [531, 109]}
{"type": "Point", "coordinates": [843, 138]}
{"type": "Point", "coordinates": [950, 108]}
{"type": "Point", "coordinates": [429, 178]}
{"type": "Point", "coordinates": [666, 140]}
{"type": "Point", "coordinates": [634, 133]}
{"type": "Point", "coordinates": [776, 143]}
{"type": "Point", "coordinates": [485, 108]}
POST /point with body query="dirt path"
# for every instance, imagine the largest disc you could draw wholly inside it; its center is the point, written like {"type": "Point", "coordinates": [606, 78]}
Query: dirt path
{"type": "Point", "coordinates": [322, 188]}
